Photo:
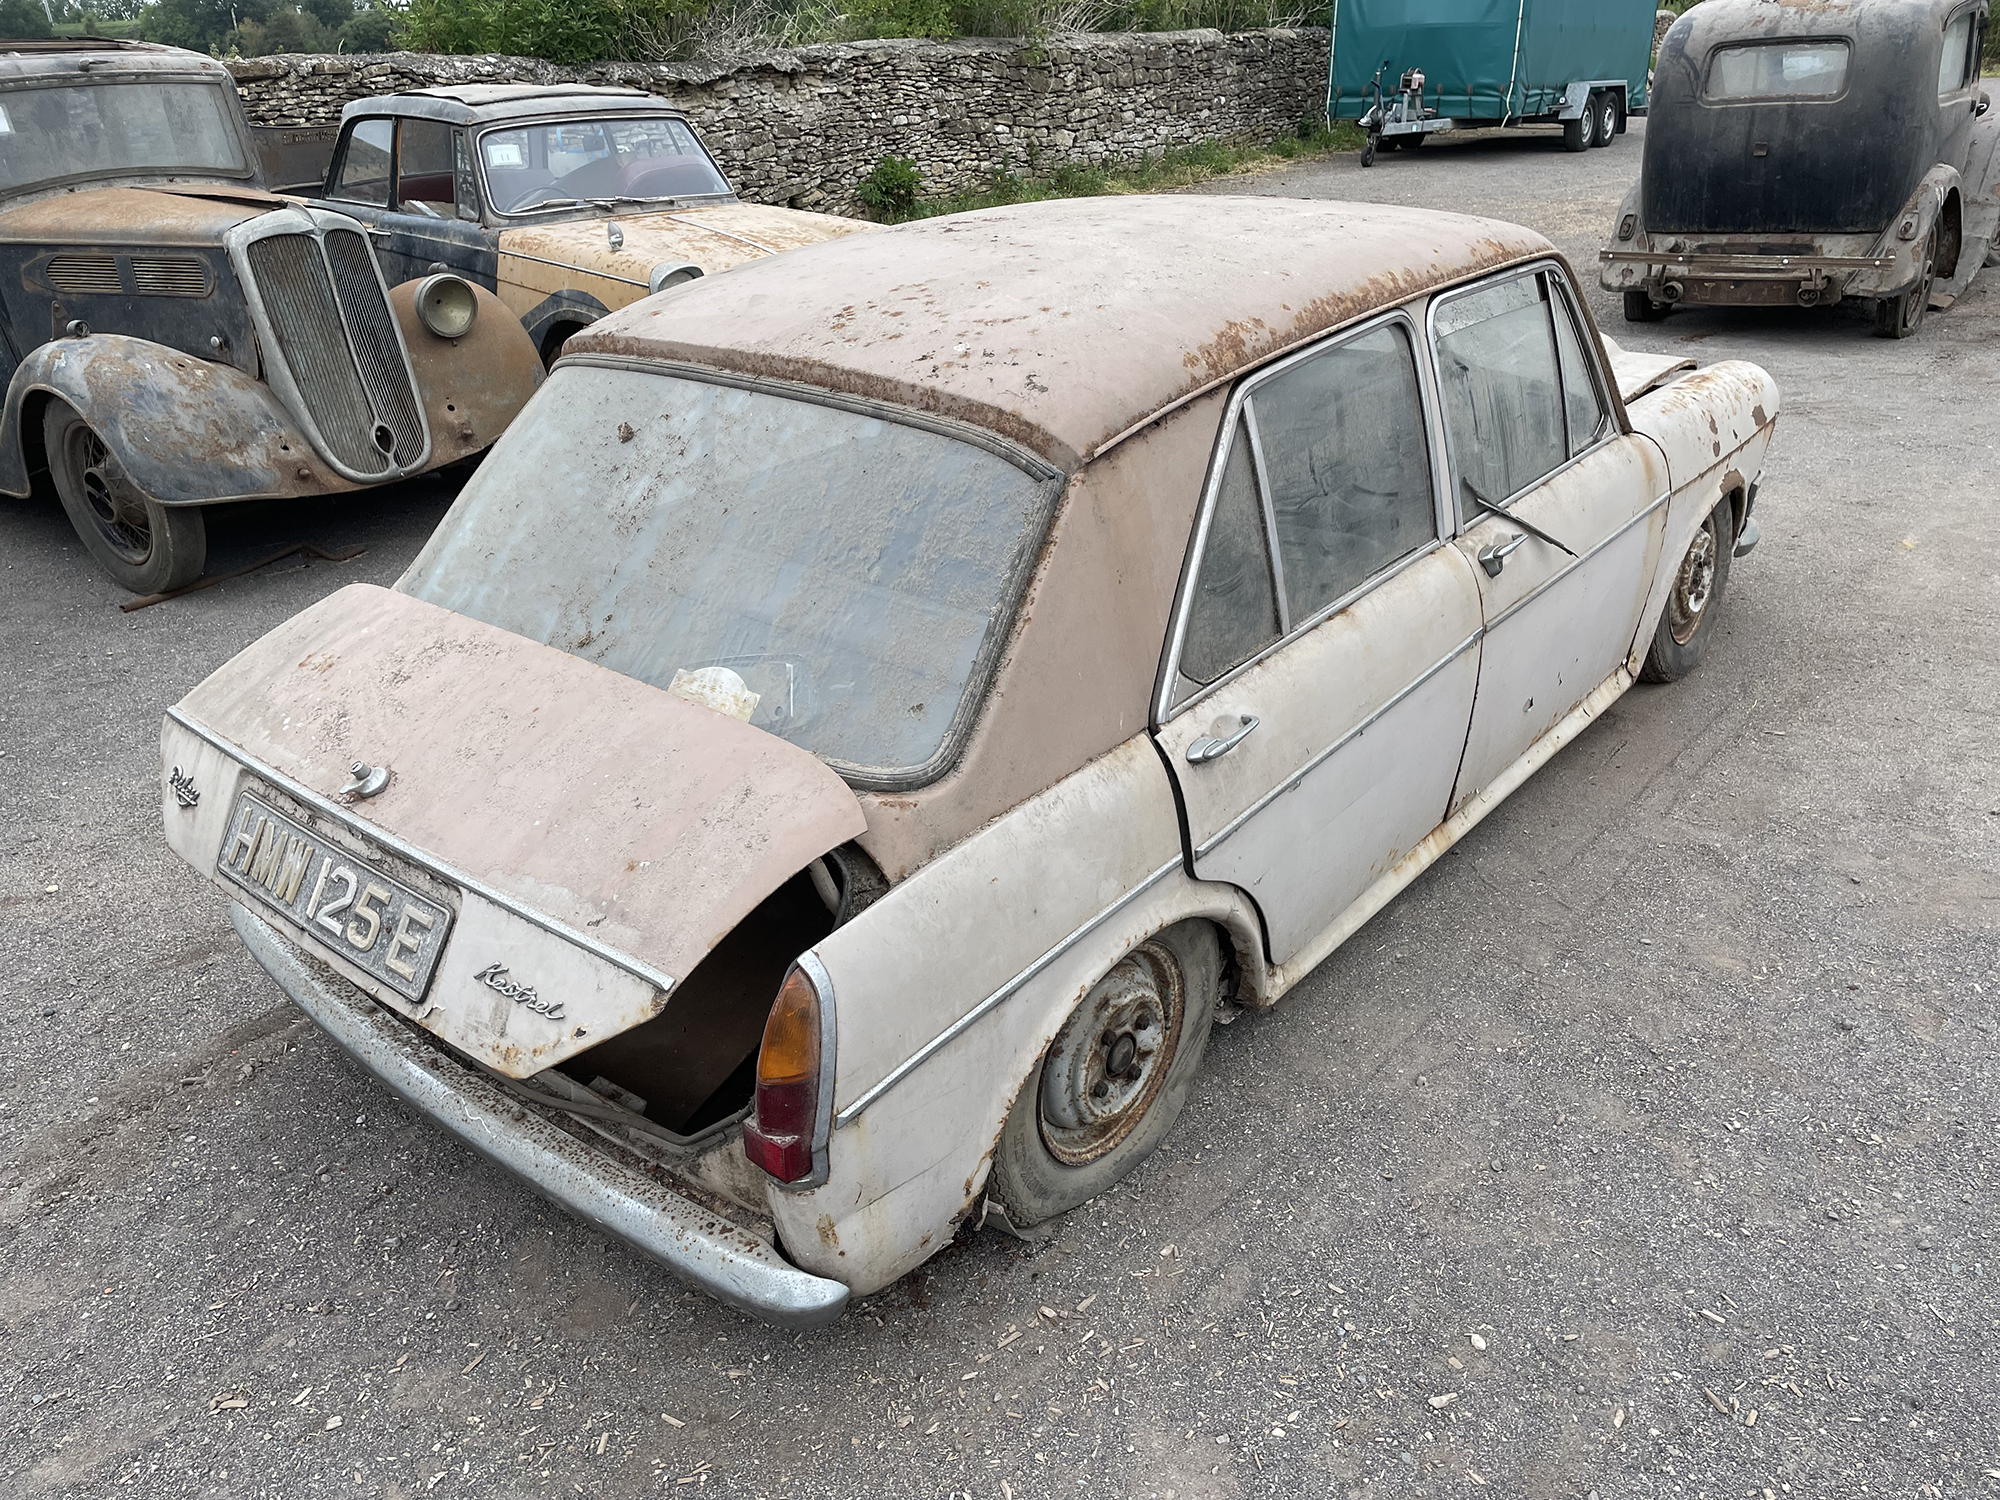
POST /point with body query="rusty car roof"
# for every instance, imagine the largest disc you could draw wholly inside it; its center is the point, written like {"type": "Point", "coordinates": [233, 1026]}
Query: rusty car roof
{"type": "Point", "coordinates": [1063, 325]}
{"type": "Point", "coordinates": [43, 58]}
{"type": "Point", "coordinates": [485, 103]}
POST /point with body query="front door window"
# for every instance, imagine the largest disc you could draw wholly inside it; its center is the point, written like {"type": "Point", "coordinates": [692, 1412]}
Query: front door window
{"type": "Point", "coordinates": [364, 166]}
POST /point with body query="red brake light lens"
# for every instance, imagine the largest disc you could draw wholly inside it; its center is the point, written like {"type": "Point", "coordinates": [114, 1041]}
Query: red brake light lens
{"type": "Point", "coordinates": [779, 1137]}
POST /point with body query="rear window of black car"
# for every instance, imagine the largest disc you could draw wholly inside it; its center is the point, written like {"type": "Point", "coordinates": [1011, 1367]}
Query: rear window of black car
{"type": "Point", "coordinates": [1798, 69]}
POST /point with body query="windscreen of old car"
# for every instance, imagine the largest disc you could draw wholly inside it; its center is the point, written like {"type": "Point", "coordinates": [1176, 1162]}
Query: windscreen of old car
{"type": "Point", "coordinates": [1777, 70]}
{"type": "Point", "coordinates": [111, 129]}
{"type": "Point", "coordinates": [562, 162]}
{"type": "Point", "coordinates": [855, 573]}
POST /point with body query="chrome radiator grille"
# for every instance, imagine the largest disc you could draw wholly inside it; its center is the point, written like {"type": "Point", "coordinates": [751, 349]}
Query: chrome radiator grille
{"type": "Point", "coordinates": [349, 370]}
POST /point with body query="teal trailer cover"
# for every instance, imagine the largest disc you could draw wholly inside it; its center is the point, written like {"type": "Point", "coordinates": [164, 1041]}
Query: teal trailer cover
{"type": "Point", "coordinates": [1488, 59]}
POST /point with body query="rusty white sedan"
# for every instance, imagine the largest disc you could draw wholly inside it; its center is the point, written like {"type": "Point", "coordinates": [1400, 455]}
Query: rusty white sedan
{"type": "Point", "coordinates": [871, 711]}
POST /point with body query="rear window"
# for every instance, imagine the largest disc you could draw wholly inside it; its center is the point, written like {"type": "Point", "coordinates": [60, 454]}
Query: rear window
{"type": "Point", "coordinates": [1777, 70]}
{"type": "Point", "coordinates": [858, 574]}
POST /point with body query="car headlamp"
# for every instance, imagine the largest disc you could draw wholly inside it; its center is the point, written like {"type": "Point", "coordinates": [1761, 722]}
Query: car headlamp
{"type": "Point", "coordinates": [446, 305]}
{"type": "Point", "coordinates": [672, 273]}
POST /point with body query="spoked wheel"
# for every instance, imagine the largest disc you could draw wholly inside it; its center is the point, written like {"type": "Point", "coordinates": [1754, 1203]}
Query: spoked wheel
{"type": "Point", "coordinates": [1688, 620]}
{"type": "Point", "coordinates": [1112, 1083]}
{"type": "Point", "coordinates": [147, 547]}
{"type": "Point", "coordinates": [1900, 316]}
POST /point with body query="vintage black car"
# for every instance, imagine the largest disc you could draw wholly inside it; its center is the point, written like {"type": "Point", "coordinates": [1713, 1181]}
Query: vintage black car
{"type": "Point", "coordinates": [1800, 154]}
{"type": "Point", "coordinates": [174, 336]}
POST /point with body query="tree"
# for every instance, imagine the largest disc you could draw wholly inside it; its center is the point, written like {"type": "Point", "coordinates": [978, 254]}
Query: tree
{"type": "Point", "coordinates": [23, 18]}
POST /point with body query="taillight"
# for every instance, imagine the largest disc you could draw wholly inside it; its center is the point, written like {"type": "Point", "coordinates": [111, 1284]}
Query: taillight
{"type": "Point", "coordinates": [779, 1138]}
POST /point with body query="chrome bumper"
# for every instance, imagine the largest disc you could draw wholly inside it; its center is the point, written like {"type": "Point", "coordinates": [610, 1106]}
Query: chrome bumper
{"type": "Point", "coordinates": [728, 1263]}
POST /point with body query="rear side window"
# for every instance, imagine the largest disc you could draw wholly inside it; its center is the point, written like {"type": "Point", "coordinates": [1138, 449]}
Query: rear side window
{"type": "Point", "coordinates": [1327, 482]}
{"type": "Point", "coordinates": [1956, 65]}
{"type": "Point", "coordinates": [1777, 70]}
{"type": "Point", "coordinates": [364, 167]}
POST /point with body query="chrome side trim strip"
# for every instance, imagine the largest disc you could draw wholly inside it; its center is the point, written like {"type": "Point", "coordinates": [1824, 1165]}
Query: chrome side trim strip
{"type": "Point", "coordinates": [965, 1022]}
{"type": "Point", "coordinates": [361, 828]}
{"type": "Point", "coordinates": [572, 268]}
{"type": "Point", "coordinates": [1555, 578]}
{"type": "Point", "coordinates": [1291, 782]}
{"type": "Point", "coordinates": [724, 1259]}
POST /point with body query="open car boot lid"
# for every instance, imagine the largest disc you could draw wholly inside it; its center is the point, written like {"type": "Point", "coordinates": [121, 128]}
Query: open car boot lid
{"type": "Point", "coordinates": [523, 783]}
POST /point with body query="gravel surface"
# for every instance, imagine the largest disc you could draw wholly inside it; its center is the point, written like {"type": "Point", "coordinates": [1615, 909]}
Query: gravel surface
{"type": "Point", "coordinates": [1644, 1147]}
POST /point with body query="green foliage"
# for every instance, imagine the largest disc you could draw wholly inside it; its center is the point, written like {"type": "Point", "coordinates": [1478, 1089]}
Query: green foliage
{"type": "Point", "coordinates": [23, 19]}
{"type": "Point", "coordinates": [889, 191]}
{"type": "Point", "coordinates": [1176, 166]}
{"type": "Point", "coordinates": [912, 18]}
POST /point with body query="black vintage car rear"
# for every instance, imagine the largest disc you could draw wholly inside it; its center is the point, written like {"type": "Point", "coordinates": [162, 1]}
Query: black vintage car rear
{"type": "Point", "coordinates": [1801, 153]}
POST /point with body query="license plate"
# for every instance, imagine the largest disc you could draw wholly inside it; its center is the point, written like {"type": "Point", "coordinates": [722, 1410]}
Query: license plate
{"type": "Point", "coordinates": [345, 904]}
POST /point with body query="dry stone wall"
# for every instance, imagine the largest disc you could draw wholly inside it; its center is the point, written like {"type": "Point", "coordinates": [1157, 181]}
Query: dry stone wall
{"type": "Point", "coordinates": [803, 127]}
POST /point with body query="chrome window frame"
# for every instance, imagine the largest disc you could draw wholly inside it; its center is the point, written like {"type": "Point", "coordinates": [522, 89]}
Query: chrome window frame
{"type": "Point", "coordinates": [1593, 358]}
{"type": "Point", "coordinates": [1166, 707]}
{"type": "Point", "coordinates": [477, 132]}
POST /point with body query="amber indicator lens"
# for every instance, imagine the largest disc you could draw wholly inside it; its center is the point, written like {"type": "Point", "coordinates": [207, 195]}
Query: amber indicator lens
{"type": "Point", "coordinates": [779, 1137]}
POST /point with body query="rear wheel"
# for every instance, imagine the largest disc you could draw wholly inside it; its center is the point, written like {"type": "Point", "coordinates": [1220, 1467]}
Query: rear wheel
{"type": "Point", "coordinates": [1606, 109]}
{"type": "Point", "coordinates": [147, 547]}
{"type": "Point", "coordinates": [1113, 1081]}
{"type": "Point", "coordinates": [1689, 618]}
{"type": "Point", "coordinates": [1641, 308]}
{"type": "Point", "coordinates": [1900, 316]}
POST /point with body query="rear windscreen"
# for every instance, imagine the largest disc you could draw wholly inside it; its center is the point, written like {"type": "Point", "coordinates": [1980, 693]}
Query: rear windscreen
{"type": "Point", "coordinates": [1777, 70]}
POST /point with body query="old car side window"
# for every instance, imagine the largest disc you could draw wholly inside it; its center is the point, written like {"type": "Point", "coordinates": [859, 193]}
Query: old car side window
{"type": "Point", "coordinates": [364, 168]}
{"type": "Point", "coordinates": [1233, 612]}
{"type": "Point", "coordinates": [1955, 66]}
{"type": "Point", "coordinates": [1502, 390]}
{"type": "Point", "coordinates": [1583, 405]}
{"type": "Point", "coordinates": [426, 169]}
{"type": "Point", "coordinates": [1347, 466]}
{"type": "Point", "coordinates": [1777, 70]}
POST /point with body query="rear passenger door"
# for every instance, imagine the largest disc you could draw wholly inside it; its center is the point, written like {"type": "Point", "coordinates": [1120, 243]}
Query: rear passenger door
{"type": "Point", "coordinates": [1563, 568]}
{"type": "Point", "coordinates": [1320, 676]}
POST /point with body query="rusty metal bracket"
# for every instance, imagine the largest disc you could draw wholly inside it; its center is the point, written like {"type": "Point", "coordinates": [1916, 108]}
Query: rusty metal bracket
{"type": "Point", "coordinates": [146, 601]}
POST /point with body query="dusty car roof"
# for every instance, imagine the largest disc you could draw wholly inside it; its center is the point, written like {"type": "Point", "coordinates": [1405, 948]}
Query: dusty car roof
{"type": "Point", "coordinates": [98, 57]}
{"type": "Point", "coordinates": [1062, 325]}
{"type": "Point", "coordinates": [482, 103]}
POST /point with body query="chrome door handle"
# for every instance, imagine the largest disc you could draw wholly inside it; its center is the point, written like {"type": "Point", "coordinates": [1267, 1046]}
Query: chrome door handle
{"type": "Point", "coordinates": [1209, 748]}
{"type": "Point", "coordinates": [1494, 558]}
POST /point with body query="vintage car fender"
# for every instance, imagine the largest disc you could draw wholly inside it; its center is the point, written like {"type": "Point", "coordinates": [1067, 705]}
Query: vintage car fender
{"type": "Point", "coordinates": [188, 431]}
{"type": "Point", "coordinates": [472, 387]}
{"type": "Point", "coordinates": [1713, 426]}
{"type": "Point", "coordinates": [1937, 197]}
{"type": "Point", "coordinates": [948, 989]}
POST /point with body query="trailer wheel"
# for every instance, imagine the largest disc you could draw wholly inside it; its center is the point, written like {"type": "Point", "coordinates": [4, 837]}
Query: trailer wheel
{"type": "Point", "coordinates": [1368, 154]}
{"type": "Point", "coordinates": [1579, 134]}
{"type": "Point", "coordinates": [1605, 108]}
{"type": "Point", "coordinates": [1411, 142]}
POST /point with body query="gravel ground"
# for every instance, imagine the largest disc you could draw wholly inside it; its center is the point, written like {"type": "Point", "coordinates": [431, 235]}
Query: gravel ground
{"type": "Point", "coordinates": [1644, 1147]}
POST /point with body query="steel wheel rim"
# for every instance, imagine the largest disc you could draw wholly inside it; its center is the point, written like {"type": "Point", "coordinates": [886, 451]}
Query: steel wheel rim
{"type": "Point", "coordinates": [1109, 1062]}
{"type": "Point", "coordinates": [120, 518]}
{"type": "Point", "coordinates": [1920, 299]}
{"type": "Point", "coordinates": [1694, 587]}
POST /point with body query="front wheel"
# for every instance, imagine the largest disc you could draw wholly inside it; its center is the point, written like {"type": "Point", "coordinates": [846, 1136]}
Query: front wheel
{"type": "Point", "coordinates": [1113, 1081]}
{"type": "Point", "coordinates": [1689, 618]}
{"type": "Point", "coordinates": [1368, 153]}
{"type": "Point", "coordinates": [147, 547]}
{"type": "Point", "coordinates": [1581, 133]}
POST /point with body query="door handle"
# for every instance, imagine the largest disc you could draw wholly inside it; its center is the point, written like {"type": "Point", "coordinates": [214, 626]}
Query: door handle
{"type": "Point", "coordinates": [1209, 748]}
{"type": "Point", "coordinates": [1494, 558]}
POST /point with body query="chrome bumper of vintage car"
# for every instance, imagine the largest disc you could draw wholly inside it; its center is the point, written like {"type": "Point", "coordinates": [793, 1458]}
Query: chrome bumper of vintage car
{"type": "Point", "coordinates": [727, 1262]}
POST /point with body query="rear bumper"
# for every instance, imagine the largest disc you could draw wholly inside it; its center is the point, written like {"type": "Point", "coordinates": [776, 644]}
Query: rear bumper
{"type": "Point", "coordinates": [727, 1262]}
{"type": "Point", "coordinates": [1746, 279]}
